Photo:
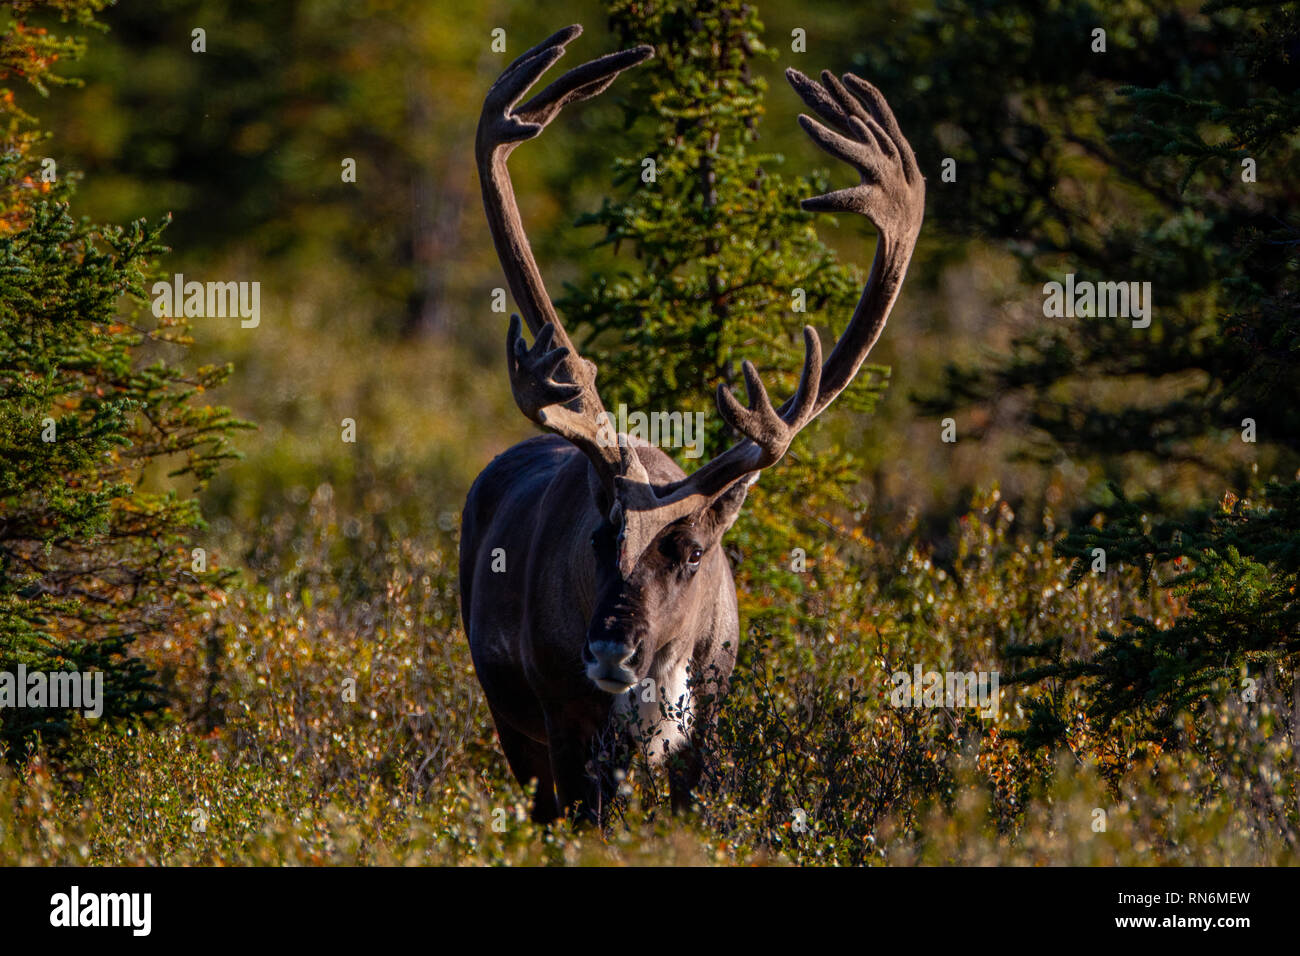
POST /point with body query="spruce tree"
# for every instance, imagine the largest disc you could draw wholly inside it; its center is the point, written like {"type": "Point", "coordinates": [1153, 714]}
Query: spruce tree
{"type": "Point", "coordinates": [1159, 149]}
{"type": "Point", "coordinates": [1235, 564]}
{"type": "Point", "coordinates": [1162, 149]}
{"type": "Point", "coordinates": [102, 441]}
{"type": "Point", "coordinates": [726, 262]}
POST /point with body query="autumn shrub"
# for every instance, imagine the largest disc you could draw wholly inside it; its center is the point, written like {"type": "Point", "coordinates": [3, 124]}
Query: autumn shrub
{"type": "Point", "coordinates": [322, 729]}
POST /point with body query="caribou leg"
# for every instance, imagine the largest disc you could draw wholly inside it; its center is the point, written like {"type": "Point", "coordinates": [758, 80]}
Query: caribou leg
{"type": "Point", "coordinates": [684, 769]}
{"type": "Point", "coordinates": [529, 761]}
{"type": "Point", "coordinates": [584, 772]}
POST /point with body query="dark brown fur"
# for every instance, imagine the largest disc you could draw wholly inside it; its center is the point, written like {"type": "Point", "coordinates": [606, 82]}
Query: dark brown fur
{"type": "Point", "coordinates": [529, 623]}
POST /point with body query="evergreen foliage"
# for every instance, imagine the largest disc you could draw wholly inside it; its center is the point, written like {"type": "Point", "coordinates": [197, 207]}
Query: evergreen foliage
{"type": "Point", "coordinates": [1175, 166]}
{"type": "Point", "coordinates": [93, 554]}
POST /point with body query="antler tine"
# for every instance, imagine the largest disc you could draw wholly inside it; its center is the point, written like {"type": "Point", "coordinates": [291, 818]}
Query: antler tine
{"type": "Point", "coordinates": [767, 433]}
{"type": "Point", "coordinates": [582, 83]}
{"type": "Point", "coordinates": [771, 430]}
{"type": "Point", "coordinates": [552, 384]}
{"type": "Point", "coordinates": [532, 372]}
{"type": "Point", "coordinates": [497, 121]}
{"type": "Point", "coordinates": [875, 101]}
{"type": "Point", "coordinates": [891, 194]}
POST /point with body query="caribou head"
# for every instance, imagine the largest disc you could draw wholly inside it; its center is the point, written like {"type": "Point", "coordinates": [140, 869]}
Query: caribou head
{"type": "Point", "coordinates": [621, 574]}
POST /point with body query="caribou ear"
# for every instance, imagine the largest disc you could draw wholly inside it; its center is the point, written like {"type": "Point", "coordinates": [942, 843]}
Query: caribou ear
{"type": "Point", "coordinates": [726, 508]}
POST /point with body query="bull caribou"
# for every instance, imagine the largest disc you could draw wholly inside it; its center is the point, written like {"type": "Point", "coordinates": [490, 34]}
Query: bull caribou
{"type": "Point", "coordinates": [593, 586]}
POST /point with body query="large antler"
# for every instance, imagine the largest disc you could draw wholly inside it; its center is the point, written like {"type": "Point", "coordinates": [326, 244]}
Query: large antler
{"type": "Point", "coordinates": [552, 384]}
{"type": "Point", "coordinates": [863, 132]}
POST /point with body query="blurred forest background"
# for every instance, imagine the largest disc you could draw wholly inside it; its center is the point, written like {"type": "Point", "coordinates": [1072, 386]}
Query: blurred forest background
{"type": "Point", "coordinates": [298, 689]}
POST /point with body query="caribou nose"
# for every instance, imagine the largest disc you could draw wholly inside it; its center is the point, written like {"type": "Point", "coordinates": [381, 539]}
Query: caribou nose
{"type": "Point", "coordinates": [609, 664]}
{"type": "Point", "coordinates": [611, 653]}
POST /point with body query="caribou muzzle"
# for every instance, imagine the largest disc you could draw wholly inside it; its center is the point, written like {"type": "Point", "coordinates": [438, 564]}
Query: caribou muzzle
{"type": "Point", "coordinates": [611, 665]}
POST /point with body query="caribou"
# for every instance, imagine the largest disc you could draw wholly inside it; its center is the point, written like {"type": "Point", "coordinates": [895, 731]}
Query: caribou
{"type": "Point", "coordinates": [594, 589]}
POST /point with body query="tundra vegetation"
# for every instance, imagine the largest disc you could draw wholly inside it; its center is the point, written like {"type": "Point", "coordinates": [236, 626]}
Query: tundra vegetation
{"type": "Point", "coordinates": [1106, 532]}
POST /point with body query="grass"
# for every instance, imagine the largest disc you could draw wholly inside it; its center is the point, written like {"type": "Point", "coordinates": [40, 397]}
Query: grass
{"type": "Point", "coordinates": [330, 716]}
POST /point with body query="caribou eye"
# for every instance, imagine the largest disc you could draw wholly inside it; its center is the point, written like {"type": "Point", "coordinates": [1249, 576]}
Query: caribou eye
{"type": "Point", "coordinates": [601, 538]}
{"type": "Point", "coordinates": [694, 557]}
